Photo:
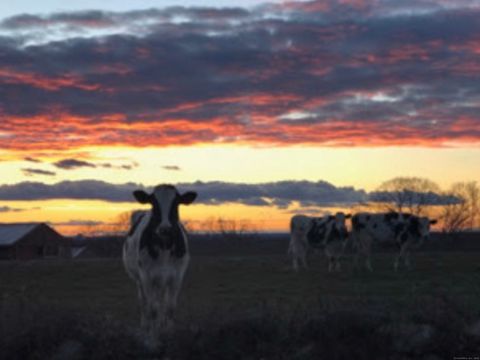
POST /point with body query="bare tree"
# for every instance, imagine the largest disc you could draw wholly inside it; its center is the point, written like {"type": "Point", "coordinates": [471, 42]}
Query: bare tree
{"type": "Point", "coordinates": [122, 223]}
{"type": "Point", "coordinates": [464, 212]}
{"type": "Point", "coordinates": [228, 228]}
{"type": "Point", "coordinates": [406, 194]}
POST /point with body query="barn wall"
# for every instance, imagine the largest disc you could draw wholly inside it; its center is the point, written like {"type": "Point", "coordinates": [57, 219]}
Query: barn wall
{"type": "Point", "coordinates": [6, 253]}
{"type": "Point", "coordinates": [40, 243]}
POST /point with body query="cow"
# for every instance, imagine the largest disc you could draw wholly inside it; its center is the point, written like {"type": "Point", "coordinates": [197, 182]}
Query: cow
{"type": "Point", "coordinates": [156, 256]}
{"type": "Point", "coordinates": [406, 230]}
{"type": "Point", "coordinates": [327, 232]}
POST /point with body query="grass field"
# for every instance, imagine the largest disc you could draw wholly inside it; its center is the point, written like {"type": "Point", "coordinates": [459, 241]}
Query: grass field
{"type": "Point", "coordinates": [222, 290]}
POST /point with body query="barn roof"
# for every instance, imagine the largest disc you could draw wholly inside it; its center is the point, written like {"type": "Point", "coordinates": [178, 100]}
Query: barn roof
{"type": "Point", "coordinates": [11, 233]}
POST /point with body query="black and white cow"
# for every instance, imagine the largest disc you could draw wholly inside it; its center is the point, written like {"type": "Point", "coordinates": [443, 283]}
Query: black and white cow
{"type": "Point", "coordinates": [408, 231]}
{"type": "Point", "coordinates": [326, 232]}
{"type": "Point", "coordinates": [155, 255]}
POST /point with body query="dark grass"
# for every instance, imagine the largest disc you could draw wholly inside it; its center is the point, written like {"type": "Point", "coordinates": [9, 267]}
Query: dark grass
{"type": "Point", "coordinates": [243, 307]}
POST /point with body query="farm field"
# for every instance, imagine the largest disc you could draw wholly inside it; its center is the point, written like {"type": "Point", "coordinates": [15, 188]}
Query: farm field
{"type": "Point", "coordinates": [224, 289]}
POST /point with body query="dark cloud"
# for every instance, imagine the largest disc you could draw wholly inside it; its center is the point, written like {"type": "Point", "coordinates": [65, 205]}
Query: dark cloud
{"type": "Point", "coordinates": [365, 71]}
{"type": "Point", "coordinates": [171, 167]}
{"type": "Point", "coordinates": [86, 189]}
{"type": "Point", "coordinates": [70, 164]}
{"type": "Point", "coordinates": [119, 167]}
{"type": "Point", "coordinates": [413, 198]}
{"type": "Point", "coordinates": [6, 209]}
{"type": "Point", "coordinates": [32, 172]}
{"type": "Point", "coordinates": [31, 159]}
{"type": "Point", "coordinates": [309, 195]}
{"type": "Point", "coordinates": [279, 194]}
{"type": "Point", "coordinates": [75, 223]}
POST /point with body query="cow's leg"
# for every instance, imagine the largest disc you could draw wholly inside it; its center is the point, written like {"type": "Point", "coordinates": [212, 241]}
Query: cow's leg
{"type": "Point", "coordinates": [171, 295]}
{"type": "Point", "coordinates": [149, 314]}
{"type": "Point", "coordinates": [408, 263]}
{"type": "Point", "coordinates": [142, 299]}
{"type": "Point", "coordinates": [397, 260]}
{"type": "Point", "coordinates": [401, 254]}
{"type": "Point", "coordinates": [338, 265]}
{"type": "Point", "coordinates": [340, 251]}
{"type": "Point", "coordinates": [356, 253]}
{"type": "Point", "coordinates": [407, 255]}
{"type": "Point", "coordinates": [295, 263]}
{"type": "Point", "coordinates": [303, 257]}
{"type": "Point", "coordinates": [330, 258]}
{"type": "Point", "coordinates": [330, 263]}
{"type": "Point", "coordinates": [292, 251]}
{"type": "Point", "coordinates": [298, 252]}
{"type": "Point", "coordinates": [368, 263]}
{"type": "Point", "coordinates": [368, 252]}
{"type": "Point", "coordinates": [358, 250]}
{"type": "Point", "coordinates": [155, 313]}
{"type": "Point", "coordinates": [365, 248]}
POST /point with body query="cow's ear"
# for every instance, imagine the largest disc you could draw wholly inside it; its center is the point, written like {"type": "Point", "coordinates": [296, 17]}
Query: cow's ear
{"type": "Point", "coordinates": [348, 216]}
{"type": "Point", "coordinates": [433, 222]}
{"type": "Point", "coordinates": [142, 197]}
{"type": "Point", "coordinates": [188, 197]}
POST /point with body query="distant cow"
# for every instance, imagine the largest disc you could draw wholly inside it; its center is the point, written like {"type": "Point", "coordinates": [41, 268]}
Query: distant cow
{"type": "Point", "coordinates": [155, 255]}
{"type": "Point", "coordinates": [327, 232]}
{"type": "Point", "coordinates": [406, 230]}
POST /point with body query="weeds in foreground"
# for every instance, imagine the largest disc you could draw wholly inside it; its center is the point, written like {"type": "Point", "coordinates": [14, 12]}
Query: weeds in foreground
{"type": "Point", "coordinates": [35, 329]}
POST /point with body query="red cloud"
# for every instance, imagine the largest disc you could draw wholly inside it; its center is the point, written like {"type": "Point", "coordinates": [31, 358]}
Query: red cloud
{"type": "Point", "coordinates": [45, 133]}
{"type": "Point", "coordinates": [8, 76]}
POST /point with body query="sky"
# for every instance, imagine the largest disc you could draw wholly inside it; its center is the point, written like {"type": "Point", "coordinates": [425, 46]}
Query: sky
{"type": "Point", "coordinates": [266, 109]}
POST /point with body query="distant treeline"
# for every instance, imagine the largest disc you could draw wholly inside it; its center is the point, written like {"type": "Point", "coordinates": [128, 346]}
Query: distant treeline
{"type": "Point", "coordinates": [266, 244]}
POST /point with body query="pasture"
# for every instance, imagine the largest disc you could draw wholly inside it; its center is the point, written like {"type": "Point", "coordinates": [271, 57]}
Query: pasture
{"type": "Point", "coordinates": [260, 292]}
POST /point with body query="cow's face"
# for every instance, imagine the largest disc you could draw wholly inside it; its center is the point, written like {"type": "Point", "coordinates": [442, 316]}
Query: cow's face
{"type": "Point", "coordinates": [340, 223]}
{"type": "Point", "coordinates": [424, 227]}
{"type": "Point", "coordinates": [165, 200]}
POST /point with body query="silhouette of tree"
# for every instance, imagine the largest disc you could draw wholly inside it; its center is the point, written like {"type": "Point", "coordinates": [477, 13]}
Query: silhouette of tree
{"type": "Point", "coordinates": [228, 228]}
{"type": "Point", "coordinates": [406, 194]}
{"type": "Point", "coordinates": [464, 213]}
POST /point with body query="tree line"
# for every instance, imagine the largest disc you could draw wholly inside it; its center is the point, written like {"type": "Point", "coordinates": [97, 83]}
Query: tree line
{"type": "Point", "coordinates": [456, 208]}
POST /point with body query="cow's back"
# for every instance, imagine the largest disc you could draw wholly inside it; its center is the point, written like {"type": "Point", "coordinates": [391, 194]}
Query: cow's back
{"type": "Point", "coordinates": [379, 226]}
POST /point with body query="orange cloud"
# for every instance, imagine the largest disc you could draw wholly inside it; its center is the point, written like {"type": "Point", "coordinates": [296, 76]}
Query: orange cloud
{"type": "Point", "coordinates": [8, 76]}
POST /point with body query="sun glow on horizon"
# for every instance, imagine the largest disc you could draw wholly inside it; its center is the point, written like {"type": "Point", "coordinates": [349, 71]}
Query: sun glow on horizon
{"type": "Point", "coordinates": [362, 168]}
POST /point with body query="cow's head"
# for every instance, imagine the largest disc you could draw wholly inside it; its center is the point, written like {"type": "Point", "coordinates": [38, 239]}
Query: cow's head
{"type": "Point", "coordinates": [301, 224]}
{"type": "Point", "coordinates": [340, 223]}
{"type": "Point", "coordinates": [165, 200]}
{"type": "Point", "coordinates": [424, 226]}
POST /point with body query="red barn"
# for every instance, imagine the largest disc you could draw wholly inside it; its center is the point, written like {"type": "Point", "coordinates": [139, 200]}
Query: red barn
{"type": "Point", "coordinates": [26, 241]}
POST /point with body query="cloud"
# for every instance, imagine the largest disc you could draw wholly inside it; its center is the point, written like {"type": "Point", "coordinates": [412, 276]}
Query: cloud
{"type": "Point", "coordinates": [75, 223]}
{"type": "Point", "coordinates": [362, 72]}
{"type": "Point", "coordinates": [85, 189]}
{"type": "Point", "coordinates": [408, 197]}
{"type": "Point", "coordinates": [119, 167]}
{"type": "Point", "coordinates": [70, 164]}
{"type": "Point", "coordinates": [171, 167]}
{"type": "Point", "coordinates": [6, 209]}
{"type": "Point", "coordinates": [311, 196]}
{"type": "Point", "coordinates": [32, 172]}
{"type": "Point", "coordinates": [31, 159]}
{"type": "Point", "coordinates": [278, 194]}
